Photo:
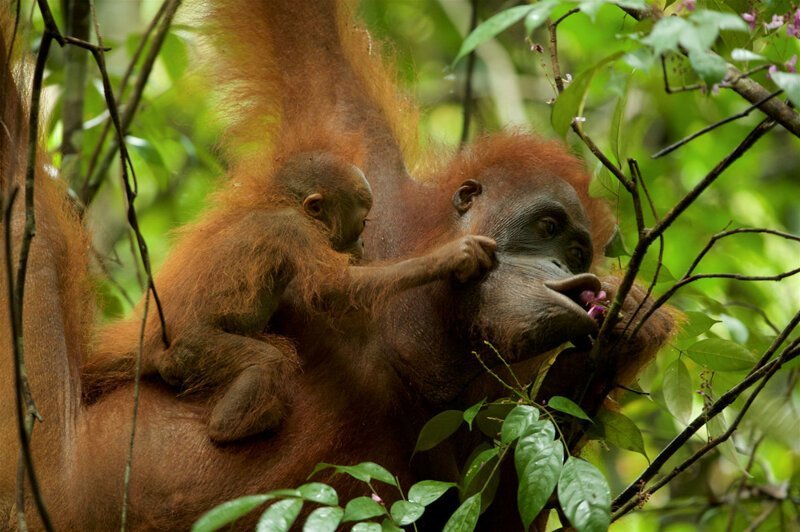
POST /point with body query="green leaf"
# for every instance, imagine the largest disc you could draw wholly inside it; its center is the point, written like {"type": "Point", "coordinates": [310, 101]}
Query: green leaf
{"type": "Point", "coordinates": [667, 34]}
{"type": "Point", "coordinates": [367, 527]}
{"type": "Point", "coordinates": [696, 324]}
{"type": "Point", "coordinates": [319, 492]}
{"type": "Point", "coordinates": [365, 471]}
{"type": "Point", "coordinates": [621, 431]}
{"type": "Point", "coordinates": [790, 83]}
{"type": "Point", "coordinates": [362, 508]}
{"type": "Point", "coordinates": [570, 102]}
{"type": "Point", "coordinates": [740, 54]}
{"type": "Point", "coordinates": [228, 512]}
{"type": "Point", "coordinates": [716, 426]}
{"type": "Point", "coordinates": [678, 391]}
{"type": "Point", "coordinates": [716, 20]}
{"type": "Point", "coordinates": [280, 516]}
{"type": "Point", "coordinates": [427, 491]}
{"type": "Point", "coordinates": [324, 519]}
{"type": "Point", "coordinates": [465, 517]}
{"type": "Point", "coordinates": [471, 412]}
{"type": "Point", "coordinates": [708, 65]}
{"type": "Point", "coordinates": [538, 459]}
{"type": "Point", "coordinates": [567, 406]}
{"type": "Point", "coordinates": [388, 526]}
{"type": "Point", "coordinates": [491, 27]}
{"type": "Point", "coordinates": [721, 355]}
{"type": "Point", "coordinates": [590, 7]}
{"type": "Point", "coordinates": [584, 496]}
{"type": "Point", "coordinates": [517, 421]}
{"type": "Point", "coordinates": [406, 512]}
{"type": "Point", "coordinates": [482, 463]}
{"type": "Point", "coordinates": [438, 429]}
{"type": "Point", "coordinates": [616, 245]}
{"type": "Point", "coordinates": [538, 15]}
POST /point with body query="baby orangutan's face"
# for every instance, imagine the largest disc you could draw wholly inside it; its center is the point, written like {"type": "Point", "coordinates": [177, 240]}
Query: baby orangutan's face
{"type": "Point", "coordinates": [350, 215]}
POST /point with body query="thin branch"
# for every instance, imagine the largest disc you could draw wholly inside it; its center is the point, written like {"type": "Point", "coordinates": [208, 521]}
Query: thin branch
{"type": "Point", "coordinates": [688, 277]}
{"type": "Point", "coordinates": [467, 103]}
{"type": "Point", "coordinates": [711, 127]}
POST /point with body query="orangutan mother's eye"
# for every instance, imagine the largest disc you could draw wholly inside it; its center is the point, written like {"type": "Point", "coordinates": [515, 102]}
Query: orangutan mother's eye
{"type": "Point", "coordinates": [548, 227]}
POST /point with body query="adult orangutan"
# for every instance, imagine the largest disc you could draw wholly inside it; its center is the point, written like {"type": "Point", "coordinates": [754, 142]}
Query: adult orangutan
{"type": "Point", "coordinates": [368, 385]}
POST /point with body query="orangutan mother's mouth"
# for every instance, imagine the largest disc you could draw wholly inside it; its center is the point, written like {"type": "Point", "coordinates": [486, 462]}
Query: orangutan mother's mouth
{"type": "Point", "coordinates": [580, 294]}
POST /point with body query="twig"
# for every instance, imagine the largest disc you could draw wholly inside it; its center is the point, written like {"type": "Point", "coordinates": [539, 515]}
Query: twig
{"type": "Point", "coordinates": [711, 127]}
{"type": "Point", "coordinates": [688, 277]}
{"type": "Point", "coordinates": [134, 416]}
{"type": "Point", "coordinates": [467, 103]}
{"type": "Point", "coordinates": [757, 310]}
{"type": "Point", "coordinates": [97, 173]}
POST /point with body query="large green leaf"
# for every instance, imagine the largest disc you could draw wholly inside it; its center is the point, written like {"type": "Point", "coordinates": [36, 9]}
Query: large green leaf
{"type": "Point", "coordinates": [667, 34]}
{"type": "Point", "coordinates": [427, 491]}
{"type": "Point", "coordinates": [406, 512]}
{"type": "Point", "coordinates": [438, 429]}
{"type": "Point", "coordinates": [567, 406]}
{"type": "Point", "coordinates": [617, 119]}
{"type": "Point", "coordinates": [543, 430]}
{"type": "Point", "coordinates": [228, 512]}
{"type": "Point", "coordinates": [584, 496]}
{"type": "Point", "coordinates": [280, 516]}
{"type": "Point", "coordinates": [367, 527]}
{"type": "Point", "coordinates": [517, 421]}
{"type": "Point", "coordinates": [324, 519]}
{"type": "Point", "coordinates": [678, 391]}
{"type": "Point", "coordinates": [570, 102]}
{"type": "Point", "coordinates": [538, 459]}
{"type": "Point", "coordinates": [365, 471]}
{"type": "Point", "coordinates": [479, 468]}
{"type": "Point", "coordinates": [491, 27]}
{"type": "Point", "coordinates": [621, 431]}
{"type": "Point", "coordinates": [721, 355]}
{"type": "Point", "coordinates": [362, 508]}
{"type": "Point", "coordinates": [717, 20]}
{"type": "Point", "coordinates": [465, 517]}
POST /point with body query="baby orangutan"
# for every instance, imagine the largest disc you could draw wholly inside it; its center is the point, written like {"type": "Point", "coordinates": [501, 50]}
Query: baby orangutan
{"type": "Point", "coordinates": [227, 275]}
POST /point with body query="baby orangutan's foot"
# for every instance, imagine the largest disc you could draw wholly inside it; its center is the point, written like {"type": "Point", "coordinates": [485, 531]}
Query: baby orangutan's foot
{"type": "Point", "coordinates": [248, 407]}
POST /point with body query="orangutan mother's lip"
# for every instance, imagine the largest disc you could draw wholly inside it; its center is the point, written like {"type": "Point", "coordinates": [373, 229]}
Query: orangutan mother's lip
{"type": "Point", "coordinates": [572, 287]}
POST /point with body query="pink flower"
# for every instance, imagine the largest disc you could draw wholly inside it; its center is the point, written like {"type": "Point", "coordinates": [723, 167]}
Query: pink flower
{"type": "Point", "coordinates": [376, 498]}
{"type": "Point", "coordinates": [776, 22]}
{"type": "Point", "coordinates": [597, 303]}
{"type": "Point", "coordinates": [750, 18]}
{"type": "Point", "coordinates": [689, 5]}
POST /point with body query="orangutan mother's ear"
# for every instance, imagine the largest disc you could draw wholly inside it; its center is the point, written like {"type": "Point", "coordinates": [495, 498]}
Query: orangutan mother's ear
{"type": "Point", "coordinates": [462, 199]}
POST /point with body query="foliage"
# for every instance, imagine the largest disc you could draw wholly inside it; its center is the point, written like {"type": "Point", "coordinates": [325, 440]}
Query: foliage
{"type": "Point", "coordinates": [645, 76]}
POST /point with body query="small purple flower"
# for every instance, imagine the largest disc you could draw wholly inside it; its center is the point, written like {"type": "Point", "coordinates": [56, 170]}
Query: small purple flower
{"type": "Point", "coordinates": [791, 64]}
{"type": "Point", "coordinates": [793, 28]}
{"type": "Point", "coordinates": [597, 303]}
{"type": "Point", "coordinates": [689, 5]}
{"type": "Point", "coordinates": [750, 18]}
{"type": "Point", "coordinates": [776, 22]}
{"type": "Point", "coordinates": [377, 498]}
{"type": "Point", "coordinates": [597, 312]}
